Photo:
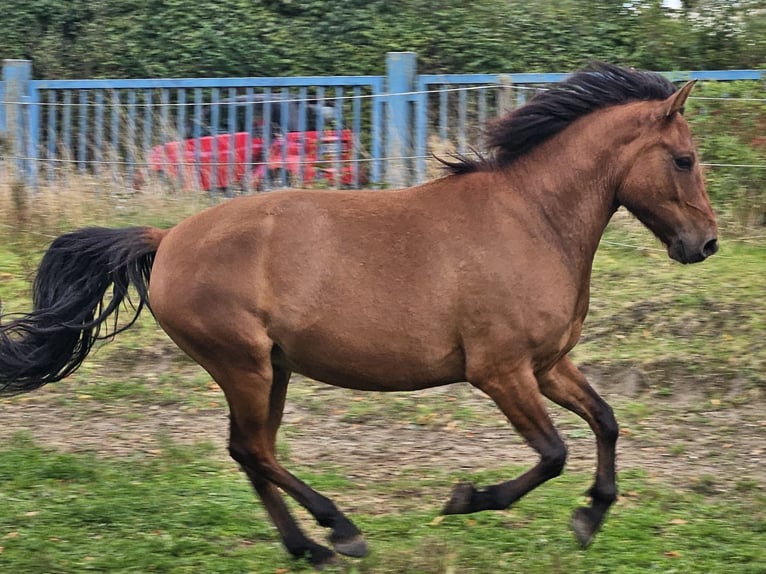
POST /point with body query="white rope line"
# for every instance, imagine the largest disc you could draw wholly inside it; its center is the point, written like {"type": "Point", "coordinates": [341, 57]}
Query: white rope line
{"type": "Point", "coordinates": [725, 99]}
{"type": "Point", "coordinates": [608, 242]}
{"type": "Point", "coordinates": [110, 103]}
{"type": "Point", "coordinates": [751, 165]}
{"type": "Point", "coordinates": [637, 247]}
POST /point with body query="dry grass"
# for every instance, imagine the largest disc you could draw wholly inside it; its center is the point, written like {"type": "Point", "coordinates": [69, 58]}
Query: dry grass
{"type": "Point", "coordinates": [85, 200]}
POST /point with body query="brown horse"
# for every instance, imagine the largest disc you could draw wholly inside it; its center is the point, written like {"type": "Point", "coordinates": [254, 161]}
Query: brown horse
{"type": "Point", "coordinates": [481, 276]}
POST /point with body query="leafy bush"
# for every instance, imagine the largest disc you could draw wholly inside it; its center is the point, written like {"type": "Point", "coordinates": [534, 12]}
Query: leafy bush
{"type": "Point", "coordinates": [202, 38]}
{"type": "Point", "coordinates": [729, 120]}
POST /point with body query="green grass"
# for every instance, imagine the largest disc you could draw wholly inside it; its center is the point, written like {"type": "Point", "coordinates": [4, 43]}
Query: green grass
{"type": "Point", "coordinates": [686, 328]}
{"type": "Point", "coordinates": [183, 512]}
{"type": "Point", "coordinates": [648, 311]}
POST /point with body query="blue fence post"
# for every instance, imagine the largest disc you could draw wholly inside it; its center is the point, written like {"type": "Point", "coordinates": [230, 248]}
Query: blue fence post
{"type": "Point", "coordinates": [16, 77]}
{"type": "Point", "coordinates": [421, 131]}
{"type": "Point", "coordinates": [401, 68]}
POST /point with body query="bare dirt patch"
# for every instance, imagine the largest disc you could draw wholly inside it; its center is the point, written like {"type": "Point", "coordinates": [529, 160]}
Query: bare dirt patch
{"type": "Point", "coordinates": [682, 437]}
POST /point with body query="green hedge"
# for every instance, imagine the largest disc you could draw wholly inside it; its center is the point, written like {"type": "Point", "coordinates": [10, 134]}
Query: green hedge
{"type": "Point", "coordinates": [204, 38]}
{"type": "Point", "coordinates": [730, 128]}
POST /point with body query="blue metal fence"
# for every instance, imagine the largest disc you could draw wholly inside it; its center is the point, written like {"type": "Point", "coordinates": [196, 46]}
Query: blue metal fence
{"type": "Point", "coordinates": [112, 124]}
{"type": "Point", "coordinates": [108, 127]}
{"type": "Point", "coordinates": [453, 107]}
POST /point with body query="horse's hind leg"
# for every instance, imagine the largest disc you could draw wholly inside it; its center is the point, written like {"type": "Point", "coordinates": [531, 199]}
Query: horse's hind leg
{"type": "Point", "coordinates": [256, 401]}
{"type": "Point", "coordinates": [517, 395]}
{"type": "Point", "coordinates": [295, 541]}
{"type": "Point", "coordinates": [566, 386]}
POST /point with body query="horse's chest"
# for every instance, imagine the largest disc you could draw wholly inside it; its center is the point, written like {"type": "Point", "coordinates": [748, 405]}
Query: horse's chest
{"type": "Point", "coordinates": [537, 325]}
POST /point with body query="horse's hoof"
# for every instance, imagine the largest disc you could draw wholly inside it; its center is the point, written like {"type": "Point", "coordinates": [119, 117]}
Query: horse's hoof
{"type": "Point", "coordinates": [356, 546]}
{"type": "Point", "coordinates": [585, 525]}
{"type": "Point", "coordinates": [318, 556]}
{"type": "Point", "coordinates": [325, 562]}
{"type": "Point", "coordinates": [460, 501]}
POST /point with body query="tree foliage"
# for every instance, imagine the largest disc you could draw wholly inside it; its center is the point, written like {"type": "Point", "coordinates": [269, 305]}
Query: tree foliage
{"type": "Point", "coordinates": [194, 38]}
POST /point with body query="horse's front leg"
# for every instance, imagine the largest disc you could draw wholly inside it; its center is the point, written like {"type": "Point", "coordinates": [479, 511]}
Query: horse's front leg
{"type": "Point", "coordinates": [566, 386]}
{"type": "Point", "coordinates": [518, 396]}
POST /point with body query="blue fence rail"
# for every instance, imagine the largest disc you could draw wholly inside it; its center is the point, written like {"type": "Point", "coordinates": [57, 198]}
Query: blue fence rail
{"type": "Point", "coordinates": [108, 128]}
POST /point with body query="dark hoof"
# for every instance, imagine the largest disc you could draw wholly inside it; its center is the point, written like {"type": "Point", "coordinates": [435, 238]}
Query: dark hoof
{"type": "Point", "coordinates": [318, 556]}
{"type": "Point", "coordinates": [332, 561]}
{"type": "Point", "coordinates": [460, 501]}
{"type": "Point", "coordinates": [356, 546]}
{"type": "Point", "coordinates": [585, 523]}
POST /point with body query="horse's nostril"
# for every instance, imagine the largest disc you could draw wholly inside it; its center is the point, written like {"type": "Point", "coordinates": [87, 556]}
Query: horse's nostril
{"type": "Point", "coordinates": [710, 247]}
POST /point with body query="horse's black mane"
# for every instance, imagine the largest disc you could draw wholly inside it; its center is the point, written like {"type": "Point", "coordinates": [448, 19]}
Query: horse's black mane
{"type": "Point", "coordinates": [596, 86]}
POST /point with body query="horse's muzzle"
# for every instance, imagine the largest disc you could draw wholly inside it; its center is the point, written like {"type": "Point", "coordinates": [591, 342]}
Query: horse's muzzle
{"type": "Point", "coordinates": [685, 251]}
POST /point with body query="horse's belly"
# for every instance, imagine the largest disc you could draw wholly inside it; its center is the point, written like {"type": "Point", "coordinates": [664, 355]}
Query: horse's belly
{"type": "Point", "coordinates": [373, 366]}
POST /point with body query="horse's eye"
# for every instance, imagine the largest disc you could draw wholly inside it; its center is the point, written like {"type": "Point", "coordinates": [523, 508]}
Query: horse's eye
{"type": "Point", "coordinates": [684, 163]}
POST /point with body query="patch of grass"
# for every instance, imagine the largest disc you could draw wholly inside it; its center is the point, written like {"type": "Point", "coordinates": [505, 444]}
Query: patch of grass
{"type": "Point", "coordinates": [182, 512]}
{"type": "Point", "coordinates": [677, 449]}
{"type": "Point", "coordinates": [636, 411]}
{"type": "Point", "coordinates": [440, 408]}
{"type": "Point", "coordinates": [706, 319]}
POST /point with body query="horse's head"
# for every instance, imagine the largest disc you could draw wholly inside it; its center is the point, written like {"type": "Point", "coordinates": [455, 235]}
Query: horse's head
{"type": "Point", "coordinates": [664, 186]}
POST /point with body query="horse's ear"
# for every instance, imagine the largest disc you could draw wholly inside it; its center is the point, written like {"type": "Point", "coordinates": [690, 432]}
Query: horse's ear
{"type": "Point", "coordinates": [675, 103]}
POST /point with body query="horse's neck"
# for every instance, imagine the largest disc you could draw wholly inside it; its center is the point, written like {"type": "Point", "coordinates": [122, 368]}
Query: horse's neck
{"type": "Point", "coordinates": [571, 182]}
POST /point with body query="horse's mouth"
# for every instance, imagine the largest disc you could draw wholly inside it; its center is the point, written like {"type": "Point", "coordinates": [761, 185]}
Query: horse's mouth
{"type": "Point", "coordinates": [685, 252]}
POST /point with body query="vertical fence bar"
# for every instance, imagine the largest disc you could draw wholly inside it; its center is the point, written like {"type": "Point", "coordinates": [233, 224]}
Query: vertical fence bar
{"type": "Point", "coordinates": [131, 136]}
{"type": "Point", "coordinates": [115, 135]}
{"type": "Point", "coordinates": [356, 130]}
{"type": "Point", "coordinates": [66, 121]}
{"type": "Point", "coordinates": [504, 94]}
{"type": "Point", "coordinates": [33, 136]}
{"type": "Point", "coordinates": [377, 136]}
{"type": "Point", "coordinates": [51, 136]}
{"type": "Point", "coordinates": [400, 74]}
{"type": "Point", "coordinates": [462, 116]}
{"type": "Point", "coordinates": [82, 131]}
{"type": "Point", "coordinates": [19, 142]}
{"type": "Point", "coordinates": [482, 103]}
{"type": "Point", "coordinates": [180, 136]}
{"type": "Point", "coordinates": [16, 77]}
{"type": "Point", "coordinates": [215, 112]}
{"type": "Point", "coordinates": [320, 128]}
{"type": "Point", "coordinates": [338, 167]}
{"type": "Point", "coordinates": [167, 136]}
{"type": "Point", "coordinates": [302, 112]}
{"type": "Point", "coordinates": [197, 142]}
{"type": "Point", "coordinates": [98, 154]}
{"type": "Point", "coordinates": [231, 151]}
{"type": "Point", "coordinates": [521, 98]}
{"type": "Point", "coordinates": [443, 114]}
{"type": "Point", "coordinates": [284, 121]}
{"type": "Point", "coordinates": [421, 133]}
{"type": "Point", "coordinates": [263, 169]}
{"type": "Point", "coordinates": [148, 128]}
{"type": "Point", "coordinates": [249, 120]}
{"type": "Point", "coordinates": [3, 121]}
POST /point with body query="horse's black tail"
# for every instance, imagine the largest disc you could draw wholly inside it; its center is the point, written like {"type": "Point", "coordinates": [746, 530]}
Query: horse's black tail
{"type": "Point", "coordinates": [71, 304]}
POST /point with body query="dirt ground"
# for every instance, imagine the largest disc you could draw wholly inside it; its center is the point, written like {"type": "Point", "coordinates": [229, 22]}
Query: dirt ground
{"type": "Point", "coordinates": [683, 438]}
